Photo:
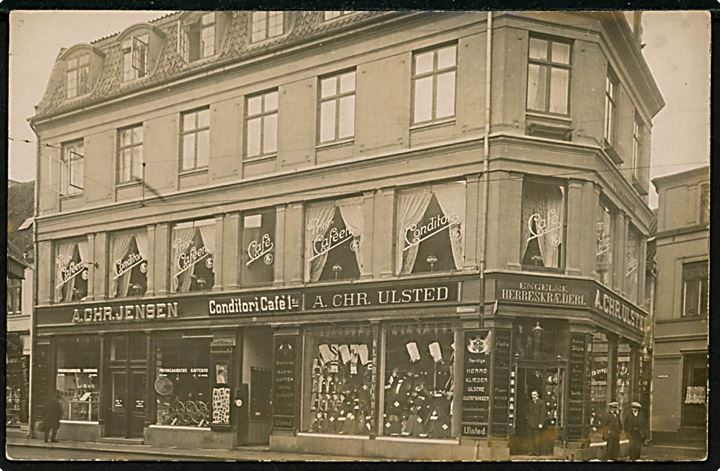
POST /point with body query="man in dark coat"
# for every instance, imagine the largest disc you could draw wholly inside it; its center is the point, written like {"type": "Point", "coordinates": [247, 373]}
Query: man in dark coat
{"type": "Point", "coordinates": [535, 420]}
{"type": "Point", "coordinates": [52, 414]}
{"type": "Point", "coordinates": [613, 428]}
{"type": "Point", "coordinates": [635, 430]}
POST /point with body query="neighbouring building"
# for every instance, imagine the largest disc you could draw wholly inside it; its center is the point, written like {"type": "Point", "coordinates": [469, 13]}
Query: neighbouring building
{"type": "Point", "coordinates": [19, 301]}
{"type": "Point", "coordinates": [680, 372]}
{"type": "Point", "coordinates": [357, 233]}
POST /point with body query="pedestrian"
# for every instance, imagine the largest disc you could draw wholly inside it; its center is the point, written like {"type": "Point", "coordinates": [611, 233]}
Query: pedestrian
{"type": "Point", "coordinates": [535, 419]}
{"type": "Point", "coordinates": [635, 430]}
{"type": "Point", "coordinates": [611, 433]}
{"type": "Point", "coordinates": [51, 416]}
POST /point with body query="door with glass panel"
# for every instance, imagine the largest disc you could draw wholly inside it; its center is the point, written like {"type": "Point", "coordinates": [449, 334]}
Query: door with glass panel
{"type": "Point", "coordinates": [128, 385]}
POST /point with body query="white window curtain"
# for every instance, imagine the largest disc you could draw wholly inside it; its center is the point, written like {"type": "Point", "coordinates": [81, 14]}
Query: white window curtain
{"type": "Point", "coordinates": [542, 213]}
{"type": "Point", "coordinates": [181, 238]}
{"type": "Point", "coordinates": [451, 199]}
{"type": "Point", "coordinates": [411, 208]}
{"type": "Point", "coordinates": [141, 239]}
{"type": "Point", "coordinates": [120, 249]}
{"type": "Point", "coordinates": [352, 215]}
{"type": "Point", "coordinates": [64, 253]}
{"type": "Point", "coordinates": [207, 234]}
{"type": "Point", "coordinates": [317, 224]}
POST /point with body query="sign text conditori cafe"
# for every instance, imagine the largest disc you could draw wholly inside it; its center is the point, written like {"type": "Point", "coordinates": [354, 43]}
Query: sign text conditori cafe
{"type": "Point", "coordinates": [569, 293]}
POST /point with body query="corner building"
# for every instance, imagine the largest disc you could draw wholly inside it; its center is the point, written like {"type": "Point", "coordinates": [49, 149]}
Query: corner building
{"type": "Point", "coordinates": [357, 233]}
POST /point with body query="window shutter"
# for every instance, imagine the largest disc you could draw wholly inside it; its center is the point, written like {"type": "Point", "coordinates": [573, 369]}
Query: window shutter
{"type": "Point", "coordinates": [139, 55]}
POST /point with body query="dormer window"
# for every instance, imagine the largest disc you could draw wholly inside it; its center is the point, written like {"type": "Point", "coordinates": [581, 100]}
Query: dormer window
{"type": "Point", "coordinates": [135, 57]}
{"type": "Point", "coordinates": [197, 40]}
{"type": "Point", "coordinates": [267, 24]}
{"type": "Point", "coordinates": [331, 15]}
{"type": "Point", "coordinates": [78, 76]}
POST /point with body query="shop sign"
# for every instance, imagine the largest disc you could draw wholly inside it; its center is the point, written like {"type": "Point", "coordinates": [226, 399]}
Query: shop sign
{"type": "Point", "coordinates": [258, 249]}
{"type": "Point", "coordinates": [259, 304]}
{"type": "Point", "coordinates": [476, 383]}
{"type": "Point", "coordinates": [608, 304]}
{"type": "Point", "coordinates": [501, 393]}
{"type": "Point", "coordinates": [414, 234]}
{"type": "Point", "coordinates": [125, 312]}
{"type": "Point", "coordinates": [437, 293]}
{"type": "Point", "coordinates": [284, 387]}
{"type": "Point", "coordinates": [576, 386]}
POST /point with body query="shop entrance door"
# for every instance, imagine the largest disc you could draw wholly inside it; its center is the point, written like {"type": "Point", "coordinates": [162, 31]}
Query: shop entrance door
{"type": "Point", "coordinates": [128, 385]}
{"type": "Point", "coordinates": [547, 379]}
{"type": "Point", "coordinates": [694, 411]}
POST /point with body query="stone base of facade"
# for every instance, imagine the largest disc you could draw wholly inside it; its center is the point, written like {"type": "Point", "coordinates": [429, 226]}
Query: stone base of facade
{"type": "Point", "coordinates": [75, 431]}
{"type": "Point", "coordinates": [187, 437]}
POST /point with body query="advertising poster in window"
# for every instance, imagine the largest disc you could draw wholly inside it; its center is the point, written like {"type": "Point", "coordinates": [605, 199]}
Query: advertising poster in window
{"type": "Point", "coordinates": [476, 383]}
{"type": "Point", "coordinates": [284, 385]}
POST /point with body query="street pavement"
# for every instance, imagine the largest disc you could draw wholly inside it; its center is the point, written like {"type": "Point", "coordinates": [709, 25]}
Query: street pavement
{"type": "Point", "coordinates": [21, 448]}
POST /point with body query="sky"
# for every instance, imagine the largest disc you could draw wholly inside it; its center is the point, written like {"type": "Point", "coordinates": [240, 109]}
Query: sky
{"type": "Point", "coordinates": [677, 49]}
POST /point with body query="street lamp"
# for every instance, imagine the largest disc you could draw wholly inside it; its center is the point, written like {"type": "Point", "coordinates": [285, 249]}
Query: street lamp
{"type": "Point", "coordinates": [337, 268]}
{"type": "Point", "coordinates": [432, 260]}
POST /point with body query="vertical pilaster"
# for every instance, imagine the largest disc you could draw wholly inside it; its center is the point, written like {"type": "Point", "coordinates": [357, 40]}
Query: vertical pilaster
{"type": "Point", "coordinates": [366, 268]}
{"type": "Point", "coordinates": [635, 359]}
{"type": "Point", "coordinates": [612, 370]}
{"type": "Point", "coordinates": [279, 265]}
{"type": "Point", "coordinates": [506, 222]}
{"type": "Point", "coordinates": [231, 251]}
{"type": "Point", "coordinates": [219, 254]}
{"type": "Point", "coordinates": [294, 231]}
{"type": "Point", "coordinates": [46, 268]}
{"type": "Point", "coordinates": [100, 260]}
{"type": "Point", "coordinates": [621, 227]}
{"type": "Point", "coordinates": [91, 267]}
{"type": "Point", "coordinates": [573, 247]}
{"type": "Point", "coordinates": [642, 259]}
{"type": "Point", "coordinates": [383, 239]}
{"type": "Point", "coordinates": [472, 220]}
{"type": "Point", "coordinates": [150, 230]}
{"type": "Point", "coordinates": [597, 190]}
{"type": "Point", "coordinates": [588, 228]}
{"type": "Point", "coordinates": [162, 257]}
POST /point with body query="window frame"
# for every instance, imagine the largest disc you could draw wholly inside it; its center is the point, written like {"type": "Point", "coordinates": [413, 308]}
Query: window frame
{"type": "Point", "coordinates": [637, 148]}
{"type": "Point", "coordinates": [329, 15]}
{"type": "Point", "coordinates": [610, 108]}
{"type": "Point", "coordinates": [196, 131]}
{"type": "Point", "coordinates": [336, 98]}
{"type": "Point", "coordinates": [549, 65]}
{"type": "Point", "coordinates": [563, 242]}
{"type": "Point", "coordinates": [434, 73]}
{"type": "Point", "coordinates": [267, 15]}
{"type": "Point", "coordinates": [14, 295]}
{"type": "Point", "coordinates": [705, 206]}
{"type": "Point", "coordinates": [262, 115]}
{"type": "Point", "coordinates": [132, 53]}
{"type": "Point", "coordinates": [68, 185]}
{"type": "Point", "coordinates": [705, 280]}
{"type": "Point", "coordinates": [76, 67]}
{"type": "Point", "coordinates": [130, 148]}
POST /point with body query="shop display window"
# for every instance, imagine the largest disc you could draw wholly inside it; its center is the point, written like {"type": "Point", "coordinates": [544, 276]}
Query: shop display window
{"type": "Point", "coordinates": [334, 240]}
{"type": "Point", "coordinates": [543, 232]}
{"type": "Point", "coordinates": [431, 228]}
{"type": "Point", "coordinates": [258, 248]}
{"type": "Point", "coordinates": [624, 378]}
{"type": "Point", "coordinates": [193, 249]}
{"type": "Point", "coordinates": [632, 257]}
{"type": "Point", "coordinates": [604, 245]}
{"type": "Point", "coordinates": [340, 396]}
{"type": "Point", "coordinates": [419, 381]}
{"type": "Point", "coordinates": [182, 384]}
{"type": "Point", "coordinates": [76, 377]}
{"type": "Point", "coordinates": [129, 262]}
{"type": "Point", "coordinates": [71, 270]}
{"type": "Point", "coordinates": [599, 390]}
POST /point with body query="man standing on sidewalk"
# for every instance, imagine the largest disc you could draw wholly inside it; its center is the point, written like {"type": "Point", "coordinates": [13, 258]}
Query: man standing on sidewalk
{"type": "Point", "coordinates": [613, 427]}
{"type": "Point", "coordinates": [535, 420]}
{"type": "Point", "coordinates": [635, 430]}
{"type": "Point", "coordinates": [52, 414]}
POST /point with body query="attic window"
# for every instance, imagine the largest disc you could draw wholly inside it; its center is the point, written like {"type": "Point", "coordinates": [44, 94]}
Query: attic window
{"type": "Point", "coordinates": [78, 74]}
{"type": "Point", "coordinates": [197, 39]}
{"type": "Point", "coordinates": [331, 15]}
{"type": "Point", "coordinates": [135, 57]}
{"type": "Point", "coordinates": [267, 24]}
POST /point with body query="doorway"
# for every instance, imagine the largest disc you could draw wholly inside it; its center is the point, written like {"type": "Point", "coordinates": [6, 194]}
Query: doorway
{"type": "Point", "coordinates": [694, 408]}
{"type": "Point", "coordinates": [547, 378]}
{"type": "Point", "coordinates": [127, 379]}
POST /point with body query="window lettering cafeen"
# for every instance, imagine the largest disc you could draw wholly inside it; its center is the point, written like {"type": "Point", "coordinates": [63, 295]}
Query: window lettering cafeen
{"type": "Point", "coordinates": [71, 270]}
{"type": "Point", "coordinates": [193, 248]}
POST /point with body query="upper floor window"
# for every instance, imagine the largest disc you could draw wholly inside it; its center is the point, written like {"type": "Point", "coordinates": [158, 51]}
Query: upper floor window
{"type": "Point", "coordinates": [430, 228]}
{"type": "Point", "coordinates": [704, 203]}
{"type": "Point", "coordinates": [258, 247]}
{"type": "Point", "coordinates": [73, 167]}
{"type": "Point", "coordinates": [195, 137]}
{"type": "Point", "coordinates": [135, 57]}
{"type": "Point", "coordinates": [78, 76]}
{"type": "Point", "coordinates": [604, 244]}
{"type": "Point", "coordinates": [548, 87]}
{"type": "Point", "coordinates": [337, 107]}
{"type": "Point", "coordinates": [129, 252]}
{"type": "Point", "coordinates": [543, 209]}
{"type": "Point", "coordinates": [695, 289]}
{"type": "Point", "coordinates": [197, 40]}
{"type": "Point", "coordinates": [71, 270]}
{"type": "Point", "coordinates": [267, 24]}
{"type": "Point", "coordinates": [261, 117]}
{"type": "Point", "coordinates": [611, 86]}
{"type": "Point", "coordinates": [130, 154]}
{"type": "Point", "coordinates": [193, 249]}
{"type": "Point", "coordinates": [14, 296]}
{"type": "Point", "coordinates": [434, 84]}
{"type": "Point", "coordinates": [632, 258]}
{"type": "Point", "coordinates": [637, 145]}
{"type": "Point", "coordinates": [331, 15]}
{"type": "Point", "coordinates": [335, 239]}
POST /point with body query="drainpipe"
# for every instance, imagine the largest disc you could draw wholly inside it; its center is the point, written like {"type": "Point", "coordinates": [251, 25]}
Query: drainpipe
{"type": "Point", "coordinates": [36, 212]}
{"type": "Point", "coordinates": [486, 156]}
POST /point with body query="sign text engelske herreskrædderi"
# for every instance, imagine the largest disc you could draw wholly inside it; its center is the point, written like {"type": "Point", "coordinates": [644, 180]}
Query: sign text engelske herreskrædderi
{"type": "Point", "coordinates": [570, 293]}
{"type": "Point", "coordinates": [271, 303]}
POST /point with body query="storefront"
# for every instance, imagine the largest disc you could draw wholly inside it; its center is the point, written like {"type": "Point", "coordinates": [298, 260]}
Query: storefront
{"type": "Point", "coordinates": [17, 379]}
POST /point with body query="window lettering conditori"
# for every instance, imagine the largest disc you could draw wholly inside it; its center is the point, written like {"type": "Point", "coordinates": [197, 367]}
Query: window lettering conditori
{"type": "Point", "coordinates": [129, 274]}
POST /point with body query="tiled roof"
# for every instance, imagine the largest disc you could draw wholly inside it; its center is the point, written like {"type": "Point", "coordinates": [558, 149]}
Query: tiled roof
{"type": "Point", "coordinates": [21, 196]}
{"type": "Point", "coordinates": [236, 45]}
